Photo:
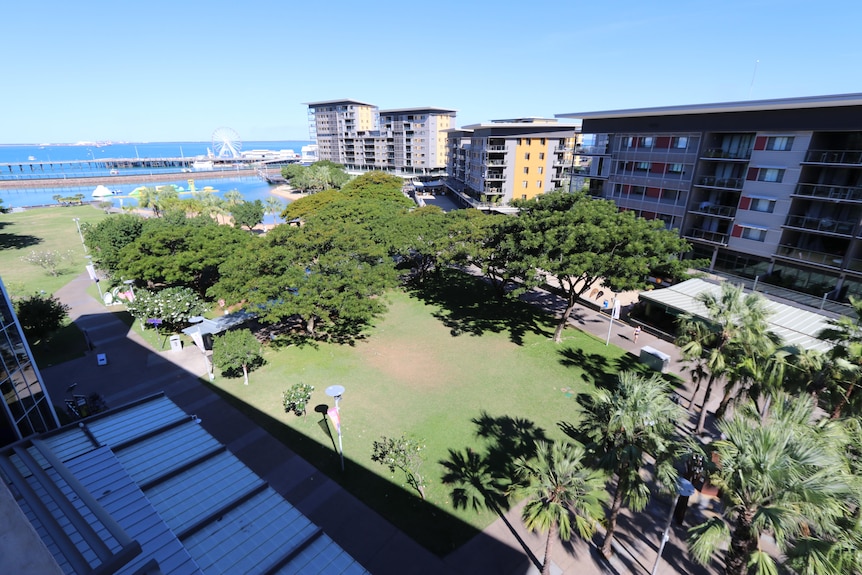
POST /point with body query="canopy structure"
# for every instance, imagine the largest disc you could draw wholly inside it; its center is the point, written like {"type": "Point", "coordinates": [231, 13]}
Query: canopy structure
{"type": "Point", "coordinates": [101, 192]}
{"type": "Point", "coordinates": [796, 326]}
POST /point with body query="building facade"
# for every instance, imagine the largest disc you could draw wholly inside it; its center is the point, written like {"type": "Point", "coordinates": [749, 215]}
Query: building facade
{"type": "Point", "coordinates": [26, 406]}
{"type": "Point", "coordinates": [768, 190]}
{"type": "Point", "coordinates": [361, 137]}
{"type": "Point", "coordinates": [492, 164]}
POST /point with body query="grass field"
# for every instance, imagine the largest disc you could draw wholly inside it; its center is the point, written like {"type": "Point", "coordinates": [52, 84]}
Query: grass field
{"type": "Point", "coordinates": [43, 229]}
{"type": "Point", "coordinates": [451, 366]}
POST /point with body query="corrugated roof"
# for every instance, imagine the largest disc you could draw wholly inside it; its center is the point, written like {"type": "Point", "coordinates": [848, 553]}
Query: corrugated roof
{"type": "Point", "coordinates": [795, 326]}
{"type": "Point", "coordinates": [191, 504]}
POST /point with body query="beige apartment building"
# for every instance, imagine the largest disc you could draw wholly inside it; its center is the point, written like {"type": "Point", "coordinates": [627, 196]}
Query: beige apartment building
{"type": "Point", "coordinates": [361, 137]}
{"type": "Point", "coordinates": [492, 164]}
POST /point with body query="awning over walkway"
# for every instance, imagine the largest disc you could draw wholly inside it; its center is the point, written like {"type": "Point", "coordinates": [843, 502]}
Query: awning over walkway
{"type": "Point", "coordinates": [796, 326]}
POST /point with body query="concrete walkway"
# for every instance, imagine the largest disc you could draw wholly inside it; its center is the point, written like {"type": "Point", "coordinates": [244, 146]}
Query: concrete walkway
{"type": "Point", "coordinates": [135, 370]}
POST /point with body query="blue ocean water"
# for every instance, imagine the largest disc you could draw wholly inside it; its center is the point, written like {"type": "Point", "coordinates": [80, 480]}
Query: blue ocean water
{"type": "Point", "coordinates": [24, 195]}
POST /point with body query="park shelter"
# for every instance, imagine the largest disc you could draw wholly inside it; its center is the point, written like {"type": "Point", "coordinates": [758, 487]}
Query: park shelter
{"type": "Point", "coordinates": [102, 192]}
{"type": "Point", "coordinates": [203, 331]}
{"type": "Point", "coordinates": [145, 489]}
{"type": "Point", "coordinates": [796, 326]}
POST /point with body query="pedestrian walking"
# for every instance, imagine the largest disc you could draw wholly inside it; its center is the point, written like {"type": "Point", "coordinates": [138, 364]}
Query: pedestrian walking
{"type": "Point", "coordinates": [637, 333]}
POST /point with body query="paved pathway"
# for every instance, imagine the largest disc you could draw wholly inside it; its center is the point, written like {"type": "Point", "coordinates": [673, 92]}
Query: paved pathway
{"type": "Point", "coordinates": [136, 370]}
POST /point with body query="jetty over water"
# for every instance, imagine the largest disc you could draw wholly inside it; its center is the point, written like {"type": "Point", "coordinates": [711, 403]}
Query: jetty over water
{"type": "Point", "coordinates": [20, 172]}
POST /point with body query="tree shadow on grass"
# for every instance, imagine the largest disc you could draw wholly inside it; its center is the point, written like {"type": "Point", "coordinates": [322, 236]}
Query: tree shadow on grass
{"type": "Point", "coordinates": [485, 480]}
{"type": "Point", "coordinates": [18, 241]}
{"type": "Point", "coordinates": [470, 306]}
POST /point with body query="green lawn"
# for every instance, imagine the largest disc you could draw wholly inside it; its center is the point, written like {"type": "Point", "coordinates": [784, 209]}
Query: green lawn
{"type": "Point", "coordinates": [43, 229]}
{"type": "Point", "coordinates": [441, 365]}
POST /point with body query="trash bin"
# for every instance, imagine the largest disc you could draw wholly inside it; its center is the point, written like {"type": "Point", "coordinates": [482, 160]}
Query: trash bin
{"type": "Point", "coordinates": [176, 343]}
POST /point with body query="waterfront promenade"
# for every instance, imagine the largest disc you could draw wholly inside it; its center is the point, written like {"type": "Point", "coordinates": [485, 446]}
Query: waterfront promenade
{"type": "Point", "coordinates": [110, 180]}
{"type": "Point", "coordinates": [135, 370]}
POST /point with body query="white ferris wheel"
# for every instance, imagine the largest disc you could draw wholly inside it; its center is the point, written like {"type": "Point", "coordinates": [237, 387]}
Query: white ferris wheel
{"type": "Point", "coordinates": [226, 143]}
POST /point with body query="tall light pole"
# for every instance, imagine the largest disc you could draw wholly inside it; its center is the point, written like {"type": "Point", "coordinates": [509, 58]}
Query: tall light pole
{"type": "Point", "coordinates": [336, 391]}
{"type": "Point", "coordinates": [684, 488]}
{"type": "Point", "coordinates": [91, 269]}
{"type": "Point", "coordinates": [80, 235]}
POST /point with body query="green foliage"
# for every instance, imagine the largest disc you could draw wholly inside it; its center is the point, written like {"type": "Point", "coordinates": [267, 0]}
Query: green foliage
{"type": "Point", "coordinates": [237, 351]}
{"type": "Point", "coordinates": [40, 316]}
{"type": "Point", "coordinates": [106, 239]}
{"type": "Point", "coordinates": [560, 489]}
{"type": "Point", "coordinates": [844, 368]}
{"type": "Point", "coordinates": [247, 214]}
{"type": "Point", "coordinates": [404, 453]}
{"type": "Point", "coordinates": [316, 177]}
{"type": "Point", "coordinates": [48, 260]}
{"type": "Point", "coordinates": [297, 397]}
{"type": "Point", "coordinates": [173, 306]}
{"type": "Point", "coordinates": [187, 253]}
{"type": "Point", "coordinates": [622, 424]}
{"type": "Point", "coordinates": [582, 241]}
{"type": "Point", "coordinates": [784, 476]}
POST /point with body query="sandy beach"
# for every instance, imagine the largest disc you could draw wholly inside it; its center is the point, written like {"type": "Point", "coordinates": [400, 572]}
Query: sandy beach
{"type": "Point", "coordinates": [288, 193]}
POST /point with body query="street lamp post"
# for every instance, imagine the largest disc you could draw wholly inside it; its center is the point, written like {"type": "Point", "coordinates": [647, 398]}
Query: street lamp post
{"type": "Point", "coordinates": [91, 269]}
{"type": "Point", "coordinates": [336, 391]}
{"type": "Point", "coordinates": [80, 235]}
{"type": "Point", "coordinates": [684, 488]}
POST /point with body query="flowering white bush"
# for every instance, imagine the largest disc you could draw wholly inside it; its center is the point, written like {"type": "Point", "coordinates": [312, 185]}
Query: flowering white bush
{"type": "Point", "coordinates": [173, 306]}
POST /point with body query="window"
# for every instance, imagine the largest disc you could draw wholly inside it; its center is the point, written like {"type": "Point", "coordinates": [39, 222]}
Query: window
{"type": "Point", "coordinates": [679, 142]}
{"type": "Point", "coordinates": [542, 141]}
{"type": "Point", "coordinates": [762, 205]}
{"type": "Point", "coordinates": [642, 166]}
{"type": "Point", "coordinates": [627, 142]}
{"type": "Point", "coordinates": [770, 175]}
{"type": "Point", "coordinates": [524, 184]}
{"type": "Point", "coordinates": [526, 155]}
{"type": "Point", "coordinates": [541, 155]}
{"type": "Point", "coordinates": [756, 234]}
{"type": "Point", "coordinates": [519, 141]}
{"type": "Point", "coordinates": [646, 142]}
{"type": "Point", "coordinates": [675, 169]}
{"type": "Point", "coordinates": [529, 141]}
{"type": "Point", "coordinates": [779, 143]}
{"type": "Point", "coordinates": [526, 169]}
{"type": "Point", "coordinates": [541, 169]}
{"type": "Point", "coordinates": [538, 183]}
{"type": "Point", "coordinates": [523, 196]}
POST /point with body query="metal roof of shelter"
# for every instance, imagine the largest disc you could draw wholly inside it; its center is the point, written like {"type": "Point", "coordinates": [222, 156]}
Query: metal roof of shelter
{"type": "Point", "coordinates": [146, 487]}
{"type": "Point", "coordinates": [796, 326]}
{"type": "Point", "coordinates": [221, 323]}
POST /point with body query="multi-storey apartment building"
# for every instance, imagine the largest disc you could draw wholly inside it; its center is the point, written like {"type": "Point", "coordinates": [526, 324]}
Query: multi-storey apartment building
{"type": "Point", "coordinates": [768, 189]}
{"type": "Point", "coordinates": [492, 164]}
{"type": "Point", "coordinates": [361, 137]}
{"type": "Point", "coordinates": [24, 402]}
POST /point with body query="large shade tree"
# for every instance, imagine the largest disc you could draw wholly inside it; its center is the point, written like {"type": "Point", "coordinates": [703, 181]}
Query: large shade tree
{"type": "Point", "coordinates": [107, 238]}
{"type": "Point", "coordinates": [562, 494]}
{"type": "Point", "coordinates": [782, 477]}
{"type": "Point", "coordinates": [582, 242]}
{"type": "Point", "coordinates": [623, 424]}
{"type": "Point", "coordinates": [845, 362]}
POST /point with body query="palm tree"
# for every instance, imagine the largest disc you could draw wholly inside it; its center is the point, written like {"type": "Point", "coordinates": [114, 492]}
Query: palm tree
{"type": "Point", "coordinates": [634, 418]}
{"type": "Point", "coordinates": [559, 488]}
{"type": "Point", "coordinates": [846, 357]}
{"type": "Point", "coordinates": [233, 197]}
{"type": "Point", "coordinates": [274, 207]}
{"type": "Point", "coordinates": [781, 476]}
{"type": "Point", "coordinates": [735, 324]}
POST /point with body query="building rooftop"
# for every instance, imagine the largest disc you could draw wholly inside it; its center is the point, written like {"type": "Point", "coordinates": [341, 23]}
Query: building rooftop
{"type": "Point", "coordinates": [838, 100]}
{"type": "Point", "coordinates": [419, 109]}
{"type": "Point", "coordinates": [796, 326]}
{"type": "Point", "coordinates": [342, 101]}
{"type": "Point", "coordinates": [144, 488]}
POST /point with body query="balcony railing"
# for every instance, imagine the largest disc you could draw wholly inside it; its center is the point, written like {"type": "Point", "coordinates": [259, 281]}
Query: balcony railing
{"type": "Point", "coordinates": [714, 210]}
{"type": "Point", "coordinates": [713, 182]}
{"type": "Point", "coordinates": [495, 148]}
{"type": "Point", "coordinates": [831, 260]}
{"type": "Point", "coordinates": [592, 150]}
{"type": "Point", "coordinates": [495, 176]}
{"type": "Point", "coordinates": [707, 236]}
{"type": "Point", "coordinates": [719, 153]}
{"type": "Point", "coordinates": [834, 156]}
{"type": "Point", "coordinates": [829, 192]}
{"type": "Point", "coordinates": [821, 224]}
{"type": "Point", "coordinates": [495, 162]}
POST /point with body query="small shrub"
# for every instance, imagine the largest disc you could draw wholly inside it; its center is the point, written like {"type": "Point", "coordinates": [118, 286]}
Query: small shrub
{"type": "Point", "coordinates": [297, 397]}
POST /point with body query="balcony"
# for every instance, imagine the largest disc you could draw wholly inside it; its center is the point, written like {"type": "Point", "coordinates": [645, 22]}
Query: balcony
{"type": "Point", "coordinates": [497, 176]}
{"type": "Point", "coordinates": [495, 148]}
{"type": "Point", "coordinates": [714, 182]}
{"type": "Point", "coordinates": [852, 157]}
{"type": "Point", "coordinates": [721, 154]}
{"type": "Point", "coordinates": [714, 210]}
{"type": "Point", "coordinates": [707, 236]}
{"type": "Point", "coordinates": [826, 225]}
{"type": "Point", "coordinates": [848, 193]}
{"type": "Point", "coordinates": [495, 162]}
{"type": "Point", "coordinates": [809, 256]}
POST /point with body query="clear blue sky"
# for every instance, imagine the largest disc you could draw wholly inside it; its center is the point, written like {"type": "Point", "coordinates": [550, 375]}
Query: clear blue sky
{"type": "Point", "coordinates": [176, 70]}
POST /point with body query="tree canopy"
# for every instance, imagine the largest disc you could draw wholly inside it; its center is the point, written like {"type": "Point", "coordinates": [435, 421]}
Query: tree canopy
{"type": "Point", "coordinates": [247, 214]}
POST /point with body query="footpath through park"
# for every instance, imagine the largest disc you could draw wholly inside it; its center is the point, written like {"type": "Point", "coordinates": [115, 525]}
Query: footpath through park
{"type": "Point", "coordinates": [134, 370]}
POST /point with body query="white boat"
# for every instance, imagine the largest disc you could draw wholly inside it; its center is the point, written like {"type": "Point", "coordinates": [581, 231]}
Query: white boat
{"type": "Point", "coordinates": [202, 165]}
